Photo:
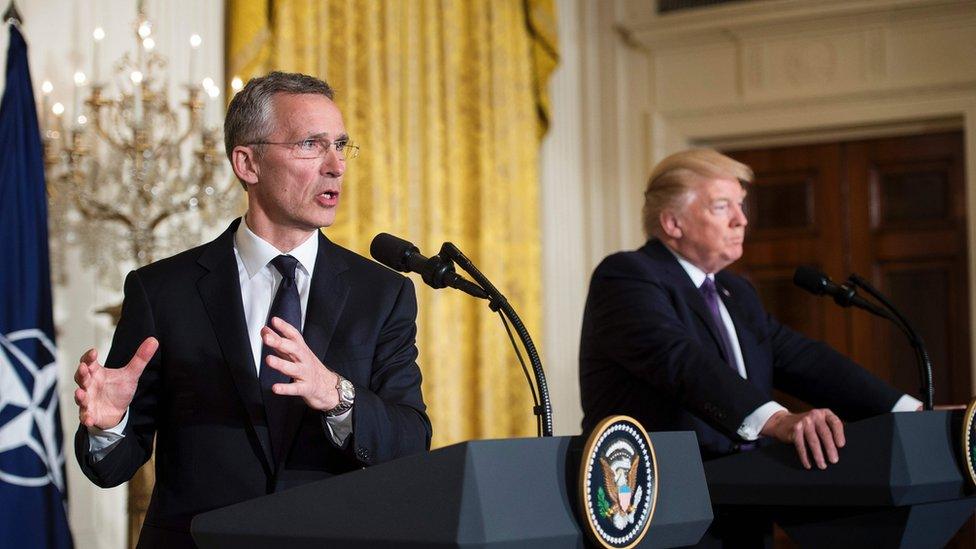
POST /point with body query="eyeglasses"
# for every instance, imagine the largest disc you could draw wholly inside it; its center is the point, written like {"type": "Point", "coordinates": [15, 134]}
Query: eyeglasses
{"type": "Point", "coordinates": [317, 147]}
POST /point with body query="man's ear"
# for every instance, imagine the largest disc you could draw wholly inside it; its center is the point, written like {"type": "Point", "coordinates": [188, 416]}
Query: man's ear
{"type": "Point", "coordinates": [670, 224]}
{"type": "Point", "coordinates": [242, 160]}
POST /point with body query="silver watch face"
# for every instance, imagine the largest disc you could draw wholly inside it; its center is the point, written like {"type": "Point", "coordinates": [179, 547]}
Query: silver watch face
{"type": "Point", "coordinates": [347, 391]}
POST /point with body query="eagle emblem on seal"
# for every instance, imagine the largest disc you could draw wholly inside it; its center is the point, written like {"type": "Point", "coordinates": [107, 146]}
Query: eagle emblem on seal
{"type": "Point", "coordinates": [620, 464]}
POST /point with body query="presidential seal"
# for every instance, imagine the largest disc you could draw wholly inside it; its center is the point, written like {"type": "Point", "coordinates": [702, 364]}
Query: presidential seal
{"type": "Point", "coordinates": [969, 443]}
{"type": "Point", "coordinates": [618, 483]}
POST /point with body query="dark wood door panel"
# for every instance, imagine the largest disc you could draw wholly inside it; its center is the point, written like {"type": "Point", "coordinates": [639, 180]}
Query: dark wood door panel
{"type": "Point", "coordinates": [908, 235]}
{"type": "Point", "coordinates": [923, 293]}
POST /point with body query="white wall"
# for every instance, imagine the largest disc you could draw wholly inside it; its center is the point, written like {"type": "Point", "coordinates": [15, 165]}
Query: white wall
{"type": "Point", "coordinates": [58, 33]}
{"type": "Point", "coordinates": [564, 253]}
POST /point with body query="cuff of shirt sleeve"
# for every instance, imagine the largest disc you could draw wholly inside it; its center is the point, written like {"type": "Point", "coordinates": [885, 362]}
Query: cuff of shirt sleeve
{"type": "Point", "coordinates": [339, 427]}
{"type": "Point", "coordinates": [907, 404]}
{"type": "Point", "coordinates": [102, 441]}
{"type": "Point", "coordinates": [753, 423]}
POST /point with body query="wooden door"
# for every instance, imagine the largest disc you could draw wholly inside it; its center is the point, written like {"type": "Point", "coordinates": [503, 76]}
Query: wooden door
{"type": "Point", "coordinates": [908, 237]}
{"type": "Point", "coordinates": [891, 210]}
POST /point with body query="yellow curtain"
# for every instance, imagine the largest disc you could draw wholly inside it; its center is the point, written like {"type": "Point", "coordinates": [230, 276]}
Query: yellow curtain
{"type": "Point", "coordinates": [447, 100]}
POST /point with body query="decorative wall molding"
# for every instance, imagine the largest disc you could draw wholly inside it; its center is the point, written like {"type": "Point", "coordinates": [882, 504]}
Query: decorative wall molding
{"type": "Point", "coordinates": [880, 47]}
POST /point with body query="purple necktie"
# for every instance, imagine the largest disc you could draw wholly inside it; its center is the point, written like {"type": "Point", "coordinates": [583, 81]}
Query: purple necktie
{"type": "Point", "coordinates": [711, 298]}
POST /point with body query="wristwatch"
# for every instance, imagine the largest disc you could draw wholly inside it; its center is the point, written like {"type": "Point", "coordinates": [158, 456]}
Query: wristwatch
{"type": "Point", "coordinates": [347, 396]}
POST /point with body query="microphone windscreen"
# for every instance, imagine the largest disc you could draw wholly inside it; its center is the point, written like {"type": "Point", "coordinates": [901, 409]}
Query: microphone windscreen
{"type": "Point", "coordinates": [811, 280]}
{"type": "Point", "coordinates": [391, 251]}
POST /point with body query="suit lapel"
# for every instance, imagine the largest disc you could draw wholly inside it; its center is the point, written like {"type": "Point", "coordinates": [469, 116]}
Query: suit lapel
{"type": "Point", "coordinates": [689, 293]}
{"type": "Point", "coordinates": [326, 301]}
{"type": "Point", "coordinates": [220, 290]}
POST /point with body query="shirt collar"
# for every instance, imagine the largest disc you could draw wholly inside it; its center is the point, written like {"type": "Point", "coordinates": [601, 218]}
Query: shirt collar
{"type": "Point", "coordinates": [697, 275]}
{"type": "Point", "coordinates": [256, 253]}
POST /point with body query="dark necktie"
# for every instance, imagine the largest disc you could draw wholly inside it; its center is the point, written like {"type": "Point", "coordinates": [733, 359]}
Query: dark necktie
{"type": "Point", "coordinates": [288, 307]}
{"type": "Point", "coordinates": [711, 299]}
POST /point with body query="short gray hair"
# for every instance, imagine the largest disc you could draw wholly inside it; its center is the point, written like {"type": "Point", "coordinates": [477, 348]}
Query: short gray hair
{"type": "Point", "coordinates": [249, 117]}
{"type": "Point", "coordinates": [672, 179]}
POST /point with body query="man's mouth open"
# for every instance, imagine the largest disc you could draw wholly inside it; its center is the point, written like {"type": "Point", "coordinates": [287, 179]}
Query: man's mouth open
{"type": "Point", "coordinates": [328, 198]}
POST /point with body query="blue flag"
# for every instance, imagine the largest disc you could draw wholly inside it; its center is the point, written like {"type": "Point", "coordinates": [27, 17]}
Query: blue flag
{"type": "Point", "coordinates": [32, 483]}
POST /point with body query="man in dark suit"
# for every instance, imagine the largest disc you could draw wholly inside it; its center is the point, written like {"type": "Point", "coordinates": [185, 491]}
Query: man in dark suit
{"type": "Point", "coordinates": [676, 342]}
{"type": "Point", "coordinates": [267, 358]}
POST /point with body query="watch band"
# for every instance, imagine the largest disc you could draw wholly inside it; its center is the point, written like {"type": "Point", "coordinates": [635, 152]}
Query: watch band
{"type": "Point", "coordinates": [345, 402]}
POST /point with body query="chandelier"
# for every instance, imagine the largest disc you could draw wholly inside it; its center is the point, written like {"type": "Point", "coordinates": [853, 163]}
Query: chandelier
{"type": "Point", "coordinates": [131, 178]}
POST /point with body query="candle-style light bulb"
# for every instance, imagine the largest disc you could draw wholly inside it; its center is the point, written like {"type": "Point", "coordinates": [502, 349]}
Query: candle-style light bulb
{"type": "Point", "coordinates": [195, 42]}
{"type": "Point", "coordinates": [57, 109]}
{"type": "Point", "coordinates": [149, 44]}
{"type": "Point", "coordinates": [145, 29]}
{"type": "Point", "coordinates": [98, 34]}
{"type": "Point", "coordinates": [80, 79]}
{"type": "Point", "coordinates": [236, 84]}
{"type": "Point", "coordinates": [46, 88]}
{"type": "Point", "coordinates": [210, 106]}
{"type": "Point", "coordinates": [136, 77]}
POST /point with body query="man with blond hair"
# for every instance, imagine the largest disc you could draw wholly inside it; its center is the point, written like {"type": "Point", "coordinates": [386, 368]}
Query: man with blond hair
{"type": "Point", "coordinates": [675, 341]}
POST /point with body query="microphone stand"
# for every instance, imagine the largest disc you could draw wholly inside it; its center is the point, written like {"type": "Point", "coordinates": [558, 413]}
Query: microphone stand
{"type": "Point", "coordinates": [921, 354]}
{"type": "Point", "coordinates": [497, 302]}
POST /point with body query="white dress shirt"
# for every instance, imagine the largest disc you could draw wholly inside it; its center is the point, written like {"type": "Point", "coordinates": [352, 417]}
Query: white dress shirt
{"type": "Point", "coordinates": [753, 423]}
{"type": "Point", "coordinates": [259, 281]}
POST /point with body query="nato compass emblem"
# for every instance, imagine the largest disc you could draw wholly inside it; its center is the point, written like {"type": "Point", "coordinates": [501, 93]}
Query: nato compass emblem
{"type": "Point", "coordinates": [30, 430]}
{"type": "Point", "coordinates": [618, 483]}
{"type": "Point", "coordinates": [969, 443]}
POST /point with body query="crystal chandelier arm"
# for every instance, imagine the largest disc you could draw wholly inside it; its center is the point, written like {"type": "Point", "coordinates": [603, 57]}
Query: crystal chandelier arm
{"type": "Point", "coordinates": [166, 214]}
{"type": "Point", "coordinates": [92, 209]}
{"type": "Point", "coordinates": [113, 142]}
{"type": "Point", "coordinates": [191, 129]}
{"type": "Point", "coordinates": [196, 106]}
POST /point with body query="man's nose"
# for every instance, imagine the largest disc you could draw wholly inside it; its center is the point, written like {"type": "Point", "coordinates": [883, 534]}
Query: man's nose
{"type": "Point", "coordinates": [739, 216]}
{"type": "Point", "coordinates": [332, 163]}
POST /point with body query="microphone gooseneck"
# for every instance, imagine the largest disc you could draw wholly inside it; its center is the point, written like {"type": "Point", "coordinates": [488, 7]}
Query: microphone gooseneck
{"type": "Point", "coordinates": [845, 295]}
{"type": "Point", "coordinates": [438, 272]}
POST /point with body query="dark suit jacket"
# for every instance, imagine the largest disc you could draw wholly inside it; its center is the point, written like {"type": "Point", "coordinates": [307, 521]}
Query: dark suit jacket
{"type": "Point", "coordinates": [200, 396]}
{"type": "Point", "coordinates": [649, 349]}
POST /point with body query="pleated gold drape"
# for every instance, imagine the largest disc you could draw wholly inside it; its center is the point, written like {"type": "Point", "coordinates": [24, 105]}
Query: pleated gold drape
{"type": "Point", "coordinates": [447, 99]}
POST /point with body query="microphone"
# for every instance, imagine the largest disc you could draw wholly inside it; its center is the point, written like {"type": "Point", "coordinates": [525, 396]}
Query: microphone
{"type": "Point", "coordinates": [817, 283]}
{"type": "Point", "coordinates": [436, 271]}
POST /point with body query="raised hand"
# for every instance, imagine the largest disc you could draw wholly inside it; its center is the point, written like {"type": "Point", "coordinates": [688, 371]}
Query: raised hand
{"type": "Point", "coordinates": [817, 433]}
{"type": "Point", "coordinates": [311, 380]}
{"type": "Point", "coordinates": [104, 394]}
